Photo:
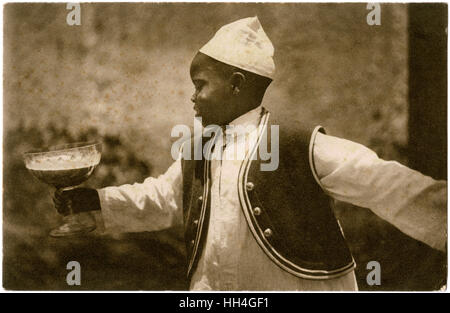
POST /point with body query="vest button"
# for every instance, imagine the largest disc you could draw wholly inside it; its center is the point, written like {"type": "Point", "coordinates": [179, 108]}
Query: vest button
{"type": "Point", "coordinates": [250, 186]}
{"type": "Point", "coordinates": [257, 211]}
{"type": "Point", "coordinates": [200, 199]}
{"type": "Point", "coordinates": [192, 242]}
{"type": "Point", "coordinates": [195, 222]}
{"type": "Point", "coordinates": [268, 233]}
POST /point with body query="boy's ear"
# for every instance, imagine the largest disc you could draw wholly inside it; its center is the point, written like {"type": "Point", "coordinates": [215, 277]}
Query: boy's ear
{"type": "Point", "coordinates": [237, 80]}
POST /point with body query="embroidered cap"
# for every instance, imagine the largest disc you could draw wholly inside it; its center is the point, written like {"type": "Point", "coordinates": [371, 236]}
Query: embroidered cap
{"type": "Point", "coordinates": [243, 44]}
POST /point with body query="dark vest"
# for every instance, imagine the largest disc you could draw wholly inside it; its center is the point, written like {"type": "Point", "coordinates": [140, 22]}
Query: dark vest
{"type": "Point", "coordinates": [289, 215]}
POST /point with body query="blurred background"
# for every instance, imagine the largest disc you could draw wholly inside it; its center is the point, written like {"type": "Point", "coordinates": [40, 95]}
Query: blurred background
{"type": "Point", "coordinates": [123, 76]}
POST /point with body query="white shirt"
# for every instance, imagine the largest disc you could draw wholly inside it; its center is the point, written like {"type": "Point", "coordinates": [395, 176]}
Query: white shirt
{"type": "Point", "coordinates": [231, 258]}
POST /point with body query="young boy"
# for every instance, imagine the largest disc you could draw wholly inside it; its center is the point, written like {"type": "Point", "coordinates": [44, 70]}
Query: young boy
{"type": "Point", "coordinates": [250, 228]}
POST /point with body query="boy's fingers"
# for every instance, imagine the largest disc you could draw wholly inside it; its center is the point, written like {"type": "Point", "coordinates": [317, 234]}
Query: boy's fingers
{"type": "Point", "coordinates": [61, 196]}
{"type": "Point", "coordinates": [60, 202]}
{"type": "Point", "coordinates": [57, 202]}
{"type": "Point", "coordinates": [61, 208]}
{"type": "Point", "coordinates": [58, 194]}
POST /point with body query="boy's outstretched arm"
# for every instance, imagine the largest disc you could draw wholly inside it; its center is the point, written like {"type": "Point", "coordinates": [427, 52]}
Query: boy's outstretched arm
{"type": "Point", "coordinates": [152, 205]}
{"type": "Point", "coordinates": [414, 203]}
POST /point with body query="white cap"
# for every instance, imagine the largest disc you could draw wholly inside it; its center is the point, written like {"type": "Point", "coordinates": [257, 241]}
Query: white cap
{"type": "Point", "coordinates": [245, 45]}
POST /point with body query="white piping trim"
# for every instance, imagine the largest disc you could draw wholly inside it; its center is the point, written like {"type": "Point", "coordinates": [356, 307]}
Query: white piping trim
{"type": "Point", "coordinates": [311, 156]}
{"type": "Point", "coordinates": [204, 204]}
{"type": "Point", "coordinates": [246, 202]}
{"type": "Point", "coordinates": [316, 177]}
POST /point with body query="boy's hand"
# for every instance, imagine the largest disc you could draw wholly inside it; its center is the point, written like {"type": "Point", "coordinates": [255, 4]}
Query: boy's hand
{"type": "Point", "coordinates": [78, 200]}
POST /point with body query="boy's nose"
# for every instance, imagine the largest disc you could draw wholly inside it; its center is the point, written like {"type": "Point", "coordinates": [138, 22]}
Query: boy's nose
{"type": "Point", "coordinates": [193, 97]}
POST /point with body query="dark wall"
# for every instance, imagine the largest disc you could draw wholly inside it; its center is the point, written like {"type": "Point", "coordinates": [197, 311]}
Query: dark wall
{"type": "Point", "coordinates": [428, 89]}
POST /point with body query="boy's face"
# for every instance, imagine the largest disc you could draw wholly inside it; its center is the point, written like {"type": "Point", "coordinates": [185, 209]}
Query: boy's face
{"type": "Point", "coordinates": [213, 91]}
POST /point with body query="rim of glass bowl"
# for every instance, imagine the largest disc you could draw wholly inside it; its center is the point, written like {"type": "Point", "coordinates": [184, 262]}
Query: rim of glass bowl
{"type": "Point", "coordinates": [64, 147]}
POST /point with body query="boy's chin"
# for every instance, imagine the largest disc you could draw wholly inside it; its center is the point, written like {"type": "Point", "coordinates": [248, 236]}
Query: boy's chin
{"type": "Point", "coordinates": [206, 121]}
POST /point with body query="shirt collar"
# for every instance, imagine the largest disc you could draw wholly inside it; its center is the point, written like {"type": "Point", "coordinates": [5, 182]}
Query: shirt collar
{"type": "Point", "coordinates": [249, 120]}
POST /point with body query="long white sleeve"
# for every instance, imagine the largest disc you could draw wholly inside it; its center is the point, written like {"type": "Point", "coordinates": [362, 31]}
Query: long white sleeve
{"type": "Point", "coordinates": [414, 203]}
{"type": "Point", "coordinates": [153, 205]}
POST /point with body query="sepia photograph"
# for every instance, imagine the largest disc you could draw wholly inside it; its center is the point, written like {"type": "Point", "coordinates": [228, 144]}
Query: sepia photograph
{"type": "Point", "coordinates": [225, 147]}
